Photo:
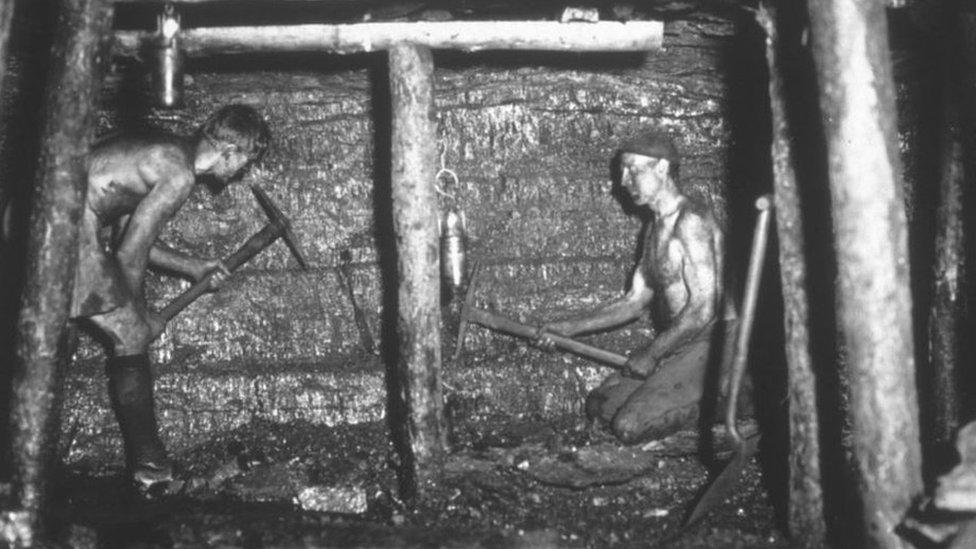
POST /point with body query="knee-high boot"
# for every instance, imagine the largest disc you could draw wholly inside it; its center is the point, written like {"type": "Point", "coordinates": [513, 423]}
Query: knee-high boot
{"type": "Point", "coordinates": [130, 387]}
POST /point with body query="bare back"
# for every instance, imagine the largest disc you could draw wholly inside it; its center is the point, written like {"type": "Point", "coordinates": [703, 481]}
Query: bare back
{"type": "Point", "coordinates": [137, 181]}
{"type": "Point", "coordinates": [123, 169]}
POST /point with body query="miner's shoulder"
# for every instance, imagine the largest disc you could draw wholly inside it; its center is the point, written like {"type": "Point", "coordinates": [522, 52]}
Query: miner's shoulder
{"type": "Point", "coordinates": [143, 142]}
{"type": "Point", "coordinates": [694, 215]}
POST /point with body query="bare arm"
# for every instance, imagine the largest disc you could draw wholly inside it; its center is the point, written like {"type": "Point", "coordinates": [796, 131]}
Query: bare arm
{"type": "Point", "coordinates": [617, 312]}
{"type": "Point", "coordinates": [144, 226]}
{"type": "Point", "coordinates": [700, 273]}
{"type": "Point", "coordinates": [162, 257]}
{"type": "Point", "coordinates": [194, 268]}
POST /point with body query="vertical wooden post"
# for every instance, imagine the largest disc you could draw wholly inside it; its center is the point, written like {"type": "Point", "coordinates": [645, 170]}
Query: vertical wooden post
{"type": "Point", "coordinates": [853, 65]}
{"type": "Point", "coordinates": [6, 17]}
{"type": "Point", "coordinates": [806, 505]}
{"type": "Point", "coordinates": [71, 97]}
{"type": "Point", "coordinates": [415, 224]}
{"type": "Point", "coordinates": [949, 350]}
{"type": "Point", "coordinates": [963, 32]}
{"type": "Point", "coordinates": [949, 276]}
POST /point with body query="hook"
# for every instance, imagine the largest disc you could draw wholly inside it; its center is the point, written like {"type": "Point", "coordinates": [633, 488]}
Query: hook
{"type": "Point", "coordinates": [443, 155]}
{"type": "Point", "coordinates": [168, 23]}
{"type": "Point", "coordinates": [437, 180]}
{"type": "Point", "coordinates": [445, 171]}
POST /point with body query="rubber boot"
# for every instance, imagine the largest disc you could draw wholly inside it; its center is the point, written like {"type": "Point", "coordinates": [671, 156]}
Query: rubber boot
{"type": "Point", "coordinates": [130, 389]}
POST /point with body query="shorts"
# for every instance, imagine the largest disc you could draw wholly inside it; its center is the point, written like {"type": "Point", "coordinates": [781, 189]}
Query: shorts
{"type": "Point", "coordinates": [99, 285]}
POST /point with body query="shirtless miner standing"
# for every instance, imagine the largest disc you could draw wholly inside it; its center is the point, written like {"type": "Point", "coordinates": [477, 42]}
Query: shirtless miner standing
{"type": "Point", "coordinates": [679, 278]}
{"type": "Point", "coordinates": [136, 183]}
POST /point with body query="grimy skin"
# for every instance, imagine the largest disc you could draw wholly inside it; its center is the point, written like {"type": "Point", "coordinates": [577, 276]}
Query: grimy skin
{"type": "Point", "coordinates": [679, 272]}
{"type": "Point", "coordinates": [136, 183]}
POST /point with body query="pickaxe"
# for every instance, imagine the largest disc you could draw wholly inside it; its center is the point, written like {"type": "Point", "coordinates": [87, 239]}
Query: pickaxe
{"type": "Point", "coordinates": [278, 227]}
{"type": "Point", "coordinates": [344, 272]}
{"type": "Point", "coordinates": [470, 313]}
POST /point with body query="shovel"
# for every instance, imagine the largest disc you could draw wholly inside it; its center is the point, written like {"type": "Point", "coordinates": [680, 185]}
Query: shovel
{"type": "Point", "coordinates": [744, 448]}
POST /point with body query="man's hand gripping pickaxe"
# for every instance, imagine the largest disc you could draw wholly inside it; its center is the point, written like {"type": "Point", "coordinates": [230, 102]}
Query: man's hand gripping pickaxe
{"type": "Point", "coordinates": [278, 227]}
{"type": "Point", "coordinates": [470, 313]}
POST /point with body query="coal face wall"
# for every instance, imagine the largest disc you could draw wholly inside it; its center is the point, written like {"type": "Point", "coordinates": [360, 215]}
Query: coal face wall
{"type": "Point", "coordinates": [531, 137]}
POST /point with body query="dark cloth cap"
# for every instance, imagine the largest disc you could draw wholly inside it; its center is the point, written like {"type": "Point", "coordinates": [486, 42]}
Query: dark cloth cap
{"type": "Point", "coordinates": [653, 144]}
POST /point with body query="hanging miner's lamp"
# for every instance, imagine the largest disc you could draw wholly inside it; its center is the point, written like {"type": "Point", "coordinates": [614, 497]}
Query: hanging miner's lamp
{"type": "Point", "coordinates": [168, 76]}
{"type": "Point", "coordinates": [453, 235]}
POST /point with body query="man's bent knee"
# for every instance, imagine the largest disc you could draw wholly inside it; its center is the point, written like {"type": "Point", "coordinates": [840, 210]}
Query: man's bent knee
{"type": "Point", "coordinates": [631, 427]}
{"type": "Point", "coordinates": [604, 401]}
{"type": "Point", "coordinates": [135, 337]}
{"type": "Point", "coordinates": [129, 332]}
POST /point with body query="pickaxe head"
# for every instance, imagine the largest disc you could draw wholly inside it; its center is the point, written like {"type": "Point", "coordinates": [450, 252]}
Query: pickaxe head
{"type": "Point", "coordinates": [466, 310]}
{"type": "Point", "coordinates": [279, 219]}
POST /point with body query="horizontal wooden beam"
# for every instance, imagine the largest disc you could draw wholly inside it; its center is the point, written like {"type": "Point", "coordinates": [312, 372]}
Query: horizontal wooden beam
{"type": "Point", "coordinates": [454, 35]}
{"type": "Point", "coordinates": [269, 3]}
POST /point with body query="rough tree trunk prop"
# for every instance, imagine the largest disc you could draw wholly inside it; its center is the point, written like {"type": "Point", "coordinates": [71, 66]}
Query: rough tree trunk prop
{"type": "Point", "coordinates": [949, 270]}
{"type": "Point", "coordinates": [6, 16]}
{"type": "Point", "coordinates": [52, 250]}
{"type": "Point", "coordinates": [415, 217]}
{"type": "Point", "coordinates": [963, 31]}
{"type": "Point", "coordinates": [806, 505]}
{"type": "Point", "coordinates": [853, 64]}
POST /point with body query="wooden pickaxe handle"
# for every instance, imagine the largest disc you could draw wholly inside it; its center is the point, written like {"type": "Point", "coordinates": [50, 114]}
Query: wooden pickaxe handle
{"type": "Point", "coordinates": [259, 241]}
{"type": "Point", "coordinates": [277, 227]}
{"type": "Point", "coordinates": [509, 326]}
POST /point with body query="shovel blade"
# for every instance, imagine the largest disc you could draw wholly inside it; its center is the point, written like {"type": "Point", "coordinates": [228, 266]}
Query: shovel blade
{"type": "Point", "coordinates": [720, 488]}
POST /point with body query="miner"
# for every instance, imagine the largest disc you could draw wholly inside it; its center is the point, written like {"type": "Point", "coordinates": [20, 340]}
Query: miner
{"type": "Point", "coordinates": [136, 183]}
{"type": "Point", "coordinates": [679, 280]}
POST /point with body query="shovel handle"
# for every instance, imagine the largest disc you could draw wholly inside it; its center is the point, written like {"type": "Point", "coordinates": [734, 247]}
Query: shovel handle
{"type": "Point", "coordinates": [756, 259]}
{"type": "Point", "coordinates": [509, 326]}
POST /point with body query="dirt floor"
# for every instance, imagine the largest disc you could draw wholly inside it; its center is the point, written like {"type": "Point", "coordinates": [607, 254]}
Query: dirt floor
{"type": "Point", "coordinates": [521, 483]}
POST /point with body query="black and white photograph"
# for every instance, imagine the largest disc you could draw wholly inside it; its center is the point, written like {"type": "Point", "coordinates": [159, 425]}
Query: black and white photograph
{"type": "Point", "coordinates": [487, 274]}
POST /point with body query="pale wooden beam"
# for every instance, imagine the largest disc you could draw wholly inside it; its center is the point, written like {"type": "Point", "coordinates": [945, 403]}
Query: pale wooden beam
{"type": "Point", "coordinates": [852, 60]}
{"type": "Point", "coordinates": [455, 35]}
{"type": "Point", "coordinates": [69, 127]}
{"type": "Point", "coordinates": [419, 427]}
{"type": "Point", "coordinates": [268, 3]}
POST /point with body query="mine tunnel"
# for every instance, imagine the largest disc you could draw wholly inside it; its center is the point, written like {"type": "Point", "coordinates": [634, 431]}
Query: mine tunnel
{"type": "Point", "coordinates": [443, 180]}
